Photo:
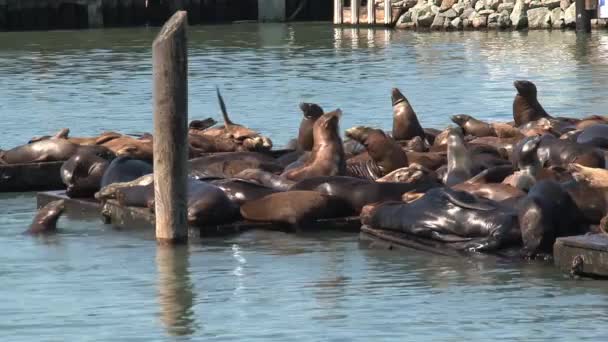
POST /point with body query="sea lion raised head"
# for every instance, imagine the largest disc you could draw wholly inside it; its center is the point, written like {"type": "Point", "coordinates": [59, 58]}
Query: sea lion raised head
{"type": "Point", "coordinates": [460, 165]}
{"type": "Point", "coordinates": [384, 151]}
{"type": "Point", "coordinates": [405, 122]}
{"type": "Point", "coordinates": [526, 107]}
{"type": "Point", "coordinates": [472, 126]}
{"type": "Point", "coordinates": [311, 112]}
{"type": "Point", "coordinates": [45, 220]}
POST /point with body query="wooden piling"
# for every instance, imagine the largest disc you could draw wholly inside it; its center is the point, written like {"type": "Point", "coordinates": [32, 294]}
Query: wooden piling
{"type": "Point", "coordinates": [355, 6]}
{"type": "Point", "coordinates": [583, 17]}
{"type": "Point", "coordinates": [338, 12]}
{"type": "Point", "coordinates": [170, 68]}
{"type": "Point", "coordinates": [388, 12]}
{"type": "Point", "coordinates": [371, 12]}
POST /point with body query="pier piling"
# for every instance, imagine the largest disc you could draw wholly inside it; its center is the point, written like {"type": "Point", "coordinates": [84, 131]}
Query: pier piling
{"type": "Point", "coordinates": [583, 17]}
{"type": "Point", "coordinates": [371, 12]}
{"type": "Point", "coordinates": [170, 68]}
{"type": "Point", "coordinates": [388, 12]}
{"type": "Point", "coordinates": [338, 12]}
{"type": "Point", "coordinates": [355, 6]}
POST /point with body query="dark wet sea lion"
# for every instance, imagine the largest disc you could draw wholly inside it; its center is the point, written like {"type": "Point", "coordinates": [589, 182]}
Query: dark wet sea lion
{"type": "Point", "coordinates": [546, 213]}
{"type": "Point", "coordinates": [82, 173]}
{"type": "Point", "coordinates": [311, 112]}
{"type": "Point", "coordinates": [45, 220]}
{"type": "Point", "coordinates": [327, 158]}
{"type": "Point", "coordinates": [227, 165]}
{"type": "Point", "coordinates": [240, 191]}
{"type": "Point", "coordinates": [43, 151]}
{"type": "Point", "coordinates": [294, 207]}
{"type": "Point", "coordinates": [571, 135]}
{"type": "Point", "coordinates": [405, 122]}
{"type": "Point", "coordinates": [596, 136]}
{"type": "Point", "coordinates": [460, 165]}
{"type": "Point", "coordinates": [449, 216]}
{"type": "Point", "coordinates": [472, 126]}
{"type": "Point", "coordinates": [525, 159]}
{"type": "Point", "coordinates": [360, 192]}
{"type": "Point", "coordinates": [266, 179]}
{"type": "Point", "coordinates": [430, 134]}
{"type": "Point", "coordinates": [209, 205]}
{"type": "Point", "coordinates": [125, 169]}
{"type": "Point", "coordinates": [109, 191]}
{"type": "Point", "coordinates": [385, 152]}
{"type": "Point", "coordinates": [556, 152]}
{"type": "Point", "coordinates": [136, 196]}
{"type": "Point", "coordinates": [201, 125]}
{"type": "Point", "coordinates": [526, 107]}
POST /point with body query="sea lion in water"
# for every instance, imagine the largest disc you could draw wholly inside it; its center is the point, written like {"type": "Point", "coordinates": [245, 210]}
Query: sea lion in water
{"type": "Point", "coordinates": [472, 126]}
{"type": "Point", "coordinates": [449, 216]}
{"type": "Point", "coordinates": [360, 192]}
{"type": "Point", "coordinates": [459, 168]}
{"type": "Point", "coordinates": [526, 107]}
{"type": "Point", "coordinates": [405, 122]}
{"type": "Point", "coordinates": [125, 169]}
{"type": "Point", "coordinates": [82, 173]}
{"type": "Point", "coordinates": [546, 213]}
{"type": "Point", "coordinates": [43, 151]}
{"type": "Point", "coordinates": [327, 158]}
{"type": "Point", "coordinates": [596, 136]}
{"type": "Point", "coordinates": [385, 152]}
{"type": "Point", "coordinates": [294, 207]}
{"type": "Point", "coordinates": [45, 220]}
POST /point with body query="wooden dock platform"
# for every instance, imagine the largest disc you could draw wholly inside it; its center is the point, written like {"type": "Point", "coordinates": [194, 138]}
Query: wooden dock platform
{"type": "Point", "coordinates": [369, 15]}
{"type": "Point", "coordinates": [142, 218]}
{"type": "Point", "coordinates": [31, 177]}
{"type": "Point", "coordinates": [584, 255]}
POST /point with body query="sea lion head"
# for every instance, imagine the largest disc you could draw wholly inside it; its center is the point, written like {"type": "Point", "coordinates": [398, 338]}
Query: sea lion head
{"type": "Point", "coordinates": [46, 219]}
{"type": "Point", "coordinates": [397, 96]}
{"type": "Point", "coordinates": [311, 110]}
{"type": "Point", "coordinates": [327, 127]}
{"type": "Point", "coordinates": [461, 119]}
{"type": "Point", "coordinates": [526, 89]}
{"type": "Point", "coordinates": [455, 136]}
{"type": "Point", "coordinates": [259, 144]}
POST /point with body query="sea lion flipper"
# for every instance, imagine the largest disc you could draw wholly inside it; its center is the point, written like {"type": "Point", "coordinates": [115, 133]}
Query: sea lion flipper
{"type": "Point", "coordinates": [446, 237]}
{"type": "Point", "coordinates": [220, 99]}
{"type": "Point", "coordinates": [488, 244]}
{"type": "Point", "coordinates": [466, 200]}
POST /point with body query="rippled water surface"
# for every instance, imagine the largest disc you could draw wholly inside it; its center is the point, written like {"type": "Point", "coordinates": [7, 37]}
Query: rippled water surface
{"type": "Point", "coordinates": [90, 283]}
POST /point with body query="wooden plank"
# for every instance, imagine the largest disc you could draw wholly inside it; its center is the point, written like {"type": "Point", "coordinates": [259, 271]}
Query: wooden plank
{"type": "Point", "coordinates": [585, 255]}
{"type": "Point", "coordinates": [31, 177]}
{"type": "Point", "coordinates": [75, 207]}
{"type": "Point", "coordinates": [170, 59]}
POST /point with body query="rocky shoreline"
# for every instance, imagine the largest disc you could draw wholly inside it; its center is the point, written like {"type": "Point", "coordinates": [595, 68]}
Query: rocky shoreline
{"type": "Point", "coordinates": [488, 14]}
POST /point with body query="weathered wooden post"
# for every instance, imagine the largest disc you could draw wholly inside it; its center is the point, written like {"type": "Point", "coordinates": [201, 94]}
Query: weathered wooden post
{"type": "Point", "coordinates": [355, 5]}
{"type": "Point", "coordinates": [583, 18]}
{"type": "Point", "coordinates": [371, 12]}
{"type": "Point", "coordinates": [170, 68]}
{"type": "Point", "coordinates": [388, 12]}
{"type": "Point", "coordinates": [338, 12]}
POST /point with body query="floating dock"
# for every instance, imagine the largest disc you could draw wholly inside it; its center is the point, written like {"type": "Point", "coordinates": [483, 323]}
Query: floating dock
{"type": "Point", "coordinates": [369, 15]}
{"type": "Point", "coordinates": [142, 218]}
{"type": "Point", "coordinates": [31, 177]}
{"type": "Point", "coordinates": [583, 255]}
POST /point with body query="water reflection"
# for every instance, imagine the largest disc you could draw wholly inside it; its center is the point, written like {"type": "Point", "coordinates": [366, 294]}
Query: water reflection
{"type": "Point", "coordinates": [175, 290]}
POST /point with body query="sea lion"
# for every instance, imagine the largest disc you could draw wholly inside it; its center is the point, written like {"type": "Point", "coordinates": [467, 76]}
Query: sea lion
{"type": "Point", "coordinates": [136, 196]}
{"type": "Point", "coordinates": [590, 121]}
{"type": "Point", "coordinates": [571, 135]}
{"type": "Point", "coordinates": [415, 144]}
{"type": "Point", "coordinates": [525, 159]}
{"type": "Point", "coordinates": [241, 191]}
{"type": "Point", "coordinates": [460, 165]}
{"type": "Point", "coordinates": [311, 112]}
{"type": "Point", "coordinates": [472, 126]}
{"type": "Point", "coordinates": [125, 169]}
{"type": "Point", "coordinates": [266, 179]}
{"type": "Point", "coordinates": [546, 213]}
{"type": "Point", "coordinates": [327, 158]}
{"type": "Point", "coordinates": [128, 146]}
{"type": "Point", "coordinates": [294, 207]}
{"type": "Point", "coordinates": [109, 191]}
{"type": "Point", "coordinates": [430, 160]}
{"type": "Point", "coordinates": [595, 136]}
{"type": "Point", "coordinates": [209, 205]}
{"type": "Point", "coordinates": [385, 152]}
{"type": "Point", "coordinates": [448, 215]}
{"type": "Point", "coordinates": [409, 174]}
{"type": "Point", "coordinates": [44, 151]}
{"type": "Point", "coordinates": [45, 220]}
{"type": "Point", "coordinates": [405, 122]}
{"type": "Point", "coordinates": [82, 173]}
{"type": "Point", "coordinates": [494, 191]}
{"type": "Point", "coordinates": [61, 134]}
{"type": "Point", "coordinates": [556, 152]}
{"type": "Point", "coordinates": [526, 107]}
{"type": "Point", "coordinates": [360, 192]}
{"type": "Point", "coordinates": [202, 125]}
{"type": "Point", "coordinates": [227, 165]}
{"type": "Point", "coordinates": [594, 177]}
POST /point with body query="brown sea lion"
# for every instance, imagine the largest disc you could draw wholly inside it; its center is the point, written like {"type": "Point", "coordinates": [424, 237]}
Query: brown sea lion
{"type": "Point", "coordinates": [109, 191]}
{"type": "Point", "coordinates": [44, 151]}
{"type": "Point", "coordinates": [430, 160]}
{"type": "Point", "coordinates": [201, 125]}
{"type": "Point", "coordinates": [416, 144]}
{"type": "Point", "coordinates": [409, 174]}
{"type": "Point", "coordinates": [594, 177]}
{"type": "Point", "coordinates": [538, 127]}
{"type": "Point", "coordinates": [526, 107]}
{"type": "Point", "coordinates": [460, 165]}
{"type": "Point", "coordinates": [405, 122]}
{"type": "Point", "coordinates": [294, 207]}
{"type": "Point", "coordinates": [227, 165]}
{"type": "Point", "coordinates": [266, 179]}
{"type": "Point", "coordinates": [590, 121]}
{"type": "Point", "coordinates": [385, 152]}
{"type": "Point", "coordinates": [45, 220]}
{"type": "Point", "coordinates": [472, 126]}
{"type": "Point", "coordinates": [495, 191]}
{"type": "Point", "coordinates": [129, 146]}
{"type": "Point", "coordinates": [311, 112]}
{"type": "Point", "coordinates": [327, 158]}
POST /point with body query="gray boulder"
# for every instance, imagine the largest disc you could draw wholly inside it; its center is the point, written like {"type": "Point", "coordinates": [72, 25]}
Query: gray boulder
{"type": "Point", "coordinates": [539, 18]}
{"type": "Point", "coordinates": [438, 22]}
{"type": "Point", "coordinates": [535, 4]}
{"type": "Point", "coordinates": [456, 24]}
{"type": "Point", "coordinates": [450, 14]}
{"type": "Point", "coordinates": [480, 21]}
{"type": "Point", "coordinates": [564, 4]}
{"type": "Point", "coordinates": [505, 7]}
{"type": "Point", "coordinates": [557, 18]}
{"type": "Point", "coordinates": [570, 16]}
{"type": "Point", "coordinates": [519, 18]}
{"type": "Point", "coordinates": [551, 4]}
{"type": "Point", "coordinates": [503, 20]}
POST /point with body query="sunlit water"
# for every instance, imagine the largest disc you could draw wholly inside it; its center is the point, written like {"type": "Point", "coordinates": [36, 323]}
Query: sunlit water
{"type": "Point", "coordinates": [91, 283]}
